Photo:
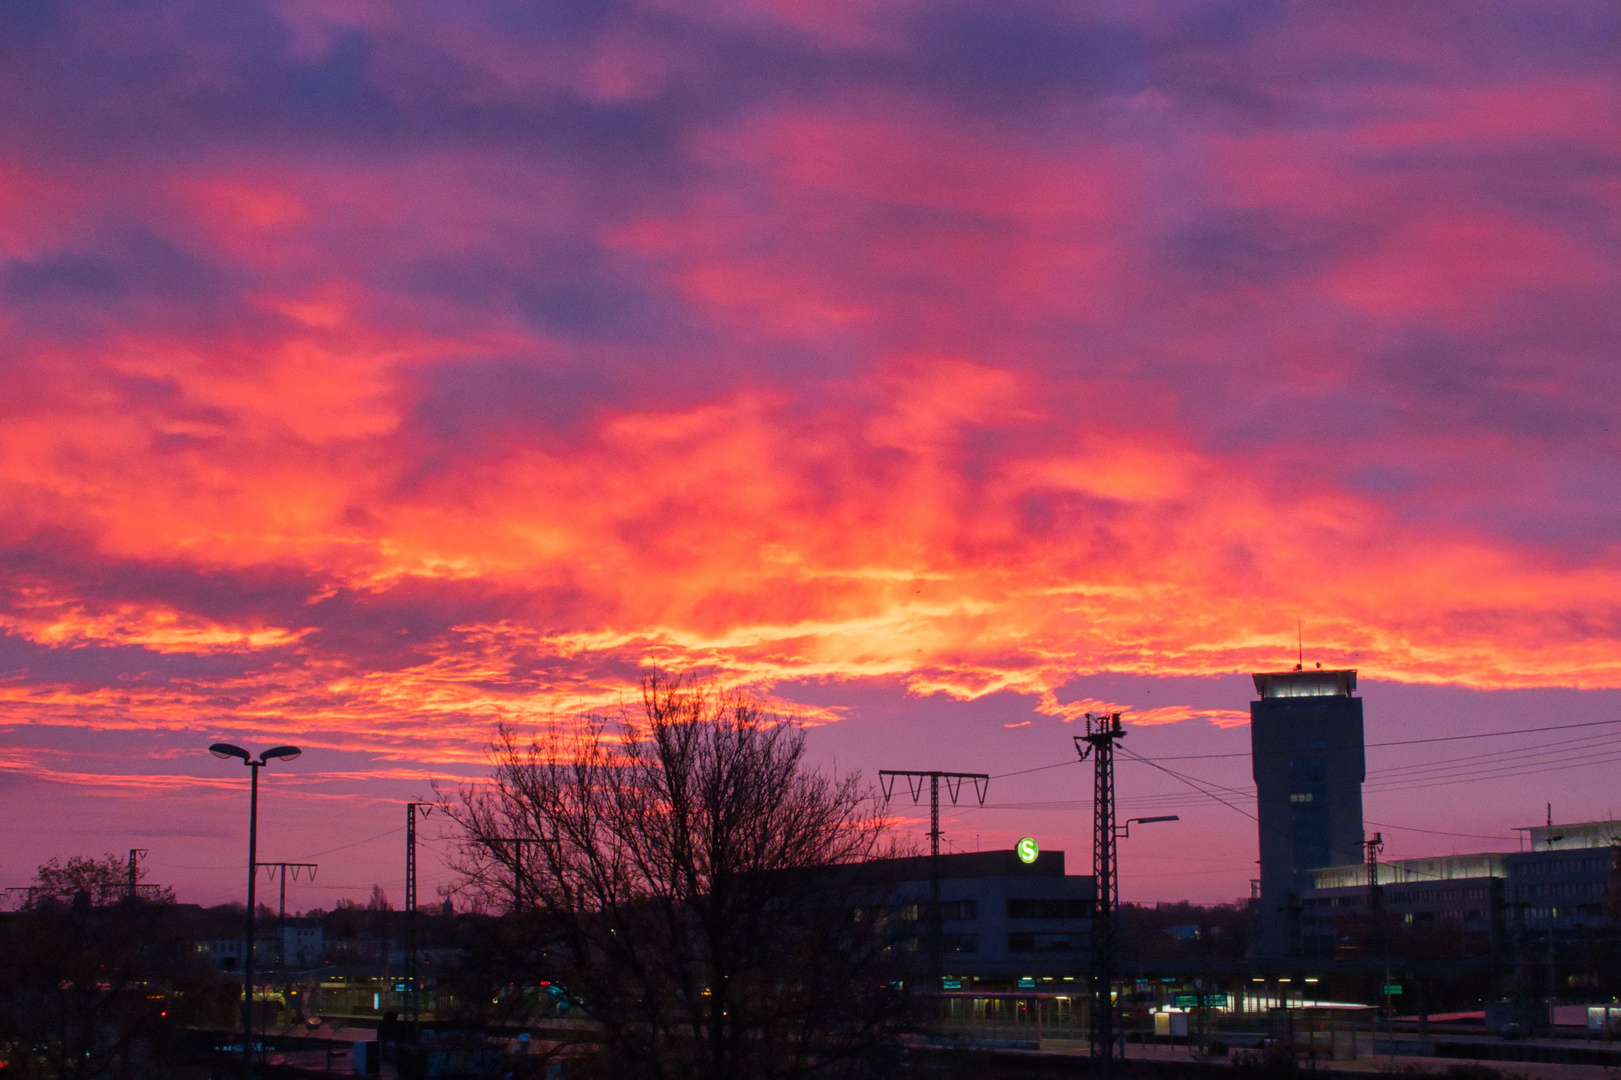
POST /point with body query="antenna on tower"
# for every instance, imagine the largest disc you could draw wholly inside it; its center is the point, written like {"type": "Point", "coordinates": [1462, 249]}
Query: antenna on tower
{"type": "Point", "coordinates": [1300, 643]}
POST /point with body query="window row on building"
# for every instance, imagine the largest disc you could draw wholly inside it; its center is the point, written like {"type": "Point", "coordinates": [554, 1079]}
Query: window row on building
{"type": "Point", "coordinates": [1017, 942]}
{"type": "Point", "coordinates": [1036, 910]}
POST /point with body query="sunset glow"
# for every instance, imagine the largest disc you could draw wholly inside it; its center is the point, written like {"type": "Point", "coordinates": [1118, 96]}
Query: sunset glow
{"type": "Point", "coordinates": [372, 372]}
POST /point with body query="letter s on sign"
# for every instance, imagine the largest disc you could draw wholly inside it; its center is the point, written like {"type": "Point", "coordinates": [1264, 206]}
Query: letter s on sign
{"type": "Point", "coordinates": [1027, 849]}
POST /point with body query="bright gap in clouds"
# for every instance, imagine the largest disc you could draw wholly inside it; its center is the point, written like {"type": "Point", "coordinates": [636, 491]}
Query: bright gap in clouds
{"type": "Point", "coordinates": [376, 374]}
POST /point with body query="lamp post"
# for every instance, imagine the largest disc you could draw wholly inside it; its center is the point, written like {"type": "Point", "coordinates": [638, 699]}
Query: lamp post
{"type": "Point", "coordinates": [1121, 833]}
{"type": "Point", "coordinates": [1145, 821]}
{"type": "Point", "coordinates": [288, 753]}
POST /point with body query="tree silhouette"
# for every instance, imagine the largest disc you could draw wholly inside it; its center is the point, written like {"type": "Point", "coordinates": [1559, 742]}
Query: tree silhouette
{"type": "Point", "coordinates": [689, 884]}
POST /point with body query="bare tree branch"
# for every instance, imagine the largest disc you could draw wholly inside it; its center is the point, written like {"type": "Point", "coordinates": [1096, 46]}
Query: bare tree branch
{"type": "Point", "coordinates": [680, 870]}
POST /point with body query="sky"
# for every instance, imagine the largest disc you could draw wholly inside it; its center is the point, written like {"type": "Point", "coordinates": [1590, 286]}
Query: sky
{"type": "Point", "coordinates": [372, 373]}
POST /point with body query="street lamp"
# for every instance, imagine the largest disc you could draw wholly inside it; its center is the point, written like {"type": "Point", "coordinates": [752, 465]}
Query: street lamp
{"type": "Point", "coordinates": [227, 751]}
{"type": "Point", "coordinates": [1145, 821]}
{"type": "Point", "coordinates": [1120, 832]}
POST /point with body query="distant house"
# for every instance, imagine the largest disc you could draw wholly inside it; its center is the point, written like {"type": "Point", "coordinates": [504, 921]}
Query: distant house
{"type": "Point", "coordinates": [226, 953]}
{"type": "Point", "coordinates": [301, 944]}
{"type": "Point", "coordinates": [296, 945]}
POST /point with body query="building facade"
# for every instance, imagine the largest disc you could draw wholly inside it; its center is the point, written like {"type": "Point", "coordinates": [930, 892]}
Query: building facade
{"type": "Point", "coordinates": [1569, 883]}
{"type": "Point", "coordinates": [1004, 923]}
{"type": "Point", "coordinates": [1454, 904]}
{"type": "Point", "coordinates": [1306, 745]}
{"type": "Point", "coordinates": [1548, 906]}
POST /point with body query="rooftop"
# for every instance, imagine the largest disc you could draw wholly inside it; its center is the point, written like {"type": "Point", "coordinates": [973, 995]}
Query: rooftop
{"type": "Point", "coordinates": [1582, 834]}
{"type": "Point", "coordinates": [1314, 682]}
{"type": "Point", "coordinates": [1489, 864]}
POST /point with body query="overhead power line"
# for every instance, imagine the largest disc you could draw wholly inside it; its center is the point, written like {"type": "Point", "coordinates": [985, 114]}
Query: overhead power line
{"type": "Point", "coordinates": [357, 843]}
{"type": "Point", "coordinates": [1403, 777]}
{"type": "Point", "coordinates": [1196, 786]}
{"type": "Point", "coordinates": [1439, 832]}
{"type": "Point", "coordinates": [1408, 742]}
{"type": "Point", "coordinates": [1446, 772]}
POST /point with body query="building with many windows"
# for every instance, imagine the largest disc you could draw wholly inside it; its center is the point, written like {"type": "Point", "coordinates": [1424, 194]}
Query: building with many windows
{"type": "Point", "coordinates": [1569, 882]}
{"type": "Point", "coordinates": [1306, 750]}
{"type": "Point", "coordinates": [1559, 894]}
{"type": "Point", "coordinates": [1456, 903]}
{"type": "Point", "coordinates": [1004, 922]}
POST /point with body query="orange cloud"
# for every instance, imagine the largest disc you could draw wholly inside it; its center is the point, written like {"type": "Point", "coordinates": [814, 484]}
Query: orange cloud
{"type": "Point", "coordinates": [979, 388]}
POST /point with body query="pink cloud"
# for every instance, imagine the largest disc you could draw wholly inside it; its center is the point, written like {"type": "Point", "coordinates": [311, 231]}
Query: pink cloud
{"type": "Point", "coordinates": [381, 373]}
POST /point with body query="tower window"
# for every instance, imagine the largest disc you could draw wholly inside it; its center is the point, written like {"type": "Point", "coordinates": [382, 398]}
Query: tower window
{"type": "Point", "coordinates": [1300, 796]}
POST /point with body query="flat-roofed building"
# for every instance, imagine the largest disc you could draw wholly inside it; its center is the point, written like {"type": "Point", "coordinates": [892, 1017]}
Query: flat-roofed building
{"type": "Point", "coordinates": [1004, 922]}
{"type": "Point", "coordinates": [1306, 746]}
{"type": "Point", "coordinates": [1569, 883]}
{"type": "Point", "coordinates": [1554, 900]}
{"type": "Point", "coordinates": [1450, 903]}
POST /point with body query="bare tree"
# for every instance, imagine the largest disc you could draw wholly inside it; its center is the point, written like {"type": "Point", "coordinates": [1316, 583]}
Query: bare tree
{"type": "Point", "coordinates": [691, 885]}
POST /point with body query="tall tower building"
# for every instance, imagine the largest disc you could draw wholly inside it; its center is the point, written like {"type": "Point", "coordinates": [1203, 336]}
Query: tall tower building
{"type": "Point", "coordinates": [1307, 754]}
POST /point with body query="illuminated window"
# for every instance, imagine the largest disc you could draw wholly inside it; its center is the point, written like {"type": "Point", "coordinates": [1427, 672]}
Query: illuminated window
{"type": "Point", "coordinates": [1300, 796]}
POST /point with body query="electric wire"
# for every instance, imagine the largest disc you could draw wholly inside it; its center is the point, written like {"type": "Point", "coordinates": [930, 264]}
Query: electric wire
{"type": "Point", "coordinates": [1202, 795]}
{"type": "Point", "coordinates": [1459, 769]}
{"type": "Point", "coordinates": [1410, 871]}
{"type": "Point", "coordinates": [1595, 740]}
{"type": "Point", "coordinates": [357, 843]}
{"type": "Point", "coordinates": [1133, 756]}
{"type": "Point", "coordinates": [1467, 768]}
{"type": "Point", "coordinates": [312, 855]}
{"type": "Point", "coordinates": [1407, 742]}
{"type": "Point", "coordinates": [1506, 771]}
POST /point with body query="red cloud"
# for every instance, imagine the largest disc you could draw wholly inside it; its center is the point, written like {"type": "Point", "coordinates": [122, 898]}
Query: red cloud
{"type": "Point", "coordinates": [517, 364]}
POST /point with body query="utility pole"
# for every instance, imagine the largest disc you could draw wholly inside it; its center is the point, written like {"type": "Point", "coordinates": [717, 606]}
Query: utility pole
{"type": "Point", "coordinates": [517, 843]}
{"type": "Point", "coordinates": [135, 856]}
{"type": "Point", "coordinates": [281, 909]}
{"type": "Point", "coordinates": [1102, 731]}
{"type": "Point", "coordinates": [26, 892]}
{"type": "Point", "coordinates": [914, 783]}
{"type": "Point", "coordinates": [1373, 846]}
{"type": "Point", "coordinates": [411, 1009]}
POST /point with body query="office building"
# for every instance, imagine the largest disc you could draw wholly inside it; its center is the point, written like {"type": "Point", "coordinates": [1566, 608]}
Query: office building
{"type": "Point", "coordinates": [1306, 748]}
{"type": "Point", "coordinates": [1547, 901]}
{"type": "Point", "coordinates": [1569, 882]}
{"type": "Point", "coordinates": [1455, 901]}
{"type": "Point", "coordinates": [1004, 923]}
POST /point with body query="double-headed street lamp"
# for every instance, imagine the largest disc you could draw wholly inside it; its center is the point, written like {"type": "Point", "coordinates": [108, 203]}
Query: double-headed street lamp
{"type": "Point", "coordinates": [287, 753]}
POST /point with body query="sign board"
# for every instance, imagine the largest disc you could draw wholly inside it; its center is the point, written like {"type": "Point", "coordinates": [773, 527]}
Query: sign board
{"type": "Point", "coordinates": [1028, 849]}
{"type": "Point", "coordinates": [1191, 1001]}
{"type": "Point", "coordinates": [1392, 988]}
